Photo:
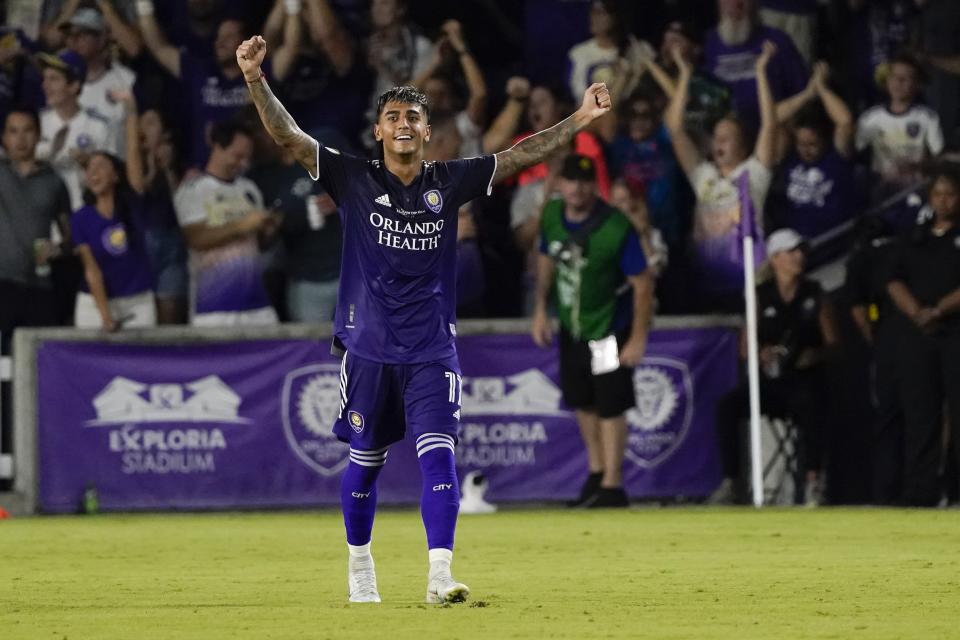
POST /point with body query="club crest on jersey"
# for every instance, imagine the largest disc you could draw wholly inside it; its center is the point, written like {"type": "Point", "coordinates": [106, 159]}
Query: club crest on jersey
{"type": "Point", "coordinates": [355, 420]}
{"type": "Point", "coordinates": [434, 200]}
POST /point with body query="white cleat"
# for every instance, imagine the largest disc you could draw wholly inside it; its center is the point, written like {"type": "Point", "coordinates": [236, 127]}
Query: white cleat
{"type": "Point", "coordinates": [442, 588]}
{"type": "Point", "coordinates": [362, 580]}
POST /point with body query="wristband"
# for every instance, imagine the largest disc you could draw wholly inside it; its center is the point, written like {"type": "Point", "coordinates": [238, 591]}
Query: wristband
{"type": "Point", "coordinates": [261, 78]}
{"type": "Point", "coordinates": [145, 7]}
{"type": "Point", "coordinates": [292, 6]}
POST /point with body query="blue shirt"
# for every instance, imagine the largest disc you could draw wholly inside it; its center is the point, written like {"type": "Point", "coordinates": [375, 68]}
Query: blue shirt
{"type": "Point", "coordinates": [649, 167]}
{"type": "Point", "coordinates": [118, 250]}
{"type": "Point", "coordinates": [397, 296]}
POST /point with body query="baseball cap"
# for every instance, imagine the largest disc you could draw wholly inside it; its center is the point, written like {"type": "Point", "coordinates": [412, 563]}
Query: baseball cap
{"type": "Point", "coordinates": [784, 240]}
{"type": "Point", "coordinates": [68, 61]}
{"type": "Point", "coordinates": [578, 167]}
{"type": "Point", "coordinates": [86, 18]}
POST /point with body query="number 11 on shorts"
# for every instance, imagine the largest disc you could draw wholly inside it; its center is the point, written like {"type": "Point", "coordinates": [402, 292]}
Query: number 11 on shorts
{"type": "Point", "coordinates": [456, 386]}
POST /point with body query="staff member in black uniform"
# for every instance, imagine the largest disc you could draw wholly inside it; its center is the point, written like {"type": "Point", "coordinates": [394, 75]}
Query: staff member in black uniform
{"type": "Point", "coordinates": [882, 326]}
{"type": "Point", "coordinates": [796, 327]}
{"type": "Point", "coordinates": [925, 286]}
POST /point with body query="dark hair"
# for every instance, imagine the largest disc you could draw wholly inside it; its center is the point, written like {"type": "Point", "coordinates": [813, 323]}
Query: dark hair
{"type": "Point", "coordinates": [950, 174]}
{"type": "Point", "coordinates": [406, 94]}
{"type": "Point", "coordinates": [906, 58]}
{"type": "Point", "coordinates": [122, 196]}
{"type": "Point", "coordinates": [639, 95]}
{"type": "Point", "coordinates": [815, 120]}
{"type": "Point", "coordinates": [621, 23]}
{"type": "Point", "coordinates": [223, 133]}
{"type": "Point", "coordinates": [27, 111]}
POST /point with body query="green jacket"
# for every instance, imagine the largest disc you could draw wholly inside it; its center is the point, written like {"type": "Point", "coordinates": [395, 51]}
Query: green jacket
{"type": "Point", "coordinates": [587, 279]}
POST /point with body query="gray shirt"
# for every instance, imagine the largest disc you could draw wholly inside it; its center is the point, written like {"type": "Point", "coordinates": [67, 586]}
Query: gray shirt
{"type": "Point", "coordinates": [28, 207]}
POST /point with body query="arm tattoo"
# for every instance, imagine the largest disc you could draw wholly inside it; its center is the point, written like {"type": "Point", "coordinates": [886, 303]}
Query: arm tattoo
{"type": "Point", "coordinates": [534, 149]}
{"type": "Point", "coordinates": [282, 127]}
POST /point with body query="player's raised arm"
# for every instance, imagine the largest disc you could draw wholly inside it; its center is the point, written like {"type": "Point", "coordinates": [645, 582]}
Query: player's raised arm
{"type": "Point", "coordinates": [530, 151]}
{"type": "Point", "coordinates": [277, 121]}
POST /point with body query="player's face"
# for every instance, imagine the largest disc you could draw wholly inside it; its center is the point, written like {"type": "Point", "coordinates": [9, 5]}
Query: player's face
{"type": "Point", "coordinates": [56, 88]}
{"type": "Point", "coordinates": [229, 37]}
{"type": "Point", "coordinates": [101, 176]}
{"type": "Point", "coordinates": [902, 82]}
{"type": "Point", "coordinates": [945, 199]}
{"type": "Point", "coordinates": [578, 194]}
{"type": "Point", "coordinates": [235, 157]}
{"type": "Point", "coordinates": [20, 137]}
{"type": "Point", "coordinates": [402, 128]}
{"type": "Point", "coordinates": [727, 144]}
{"type": "Point", "coordinates": [809, 145]}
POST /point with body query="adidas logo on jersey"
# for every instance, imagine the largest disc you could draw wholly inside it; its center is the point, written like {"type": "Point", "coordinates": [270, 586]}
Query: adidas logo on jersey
{"type": "Point", "coordinates": [384, 200]}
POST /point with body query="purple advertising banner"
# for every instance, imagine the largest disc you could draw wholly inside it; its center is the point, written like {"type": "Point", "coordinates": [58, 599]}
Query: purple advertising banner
{"type": "Point", "coordinates": [247, 424]}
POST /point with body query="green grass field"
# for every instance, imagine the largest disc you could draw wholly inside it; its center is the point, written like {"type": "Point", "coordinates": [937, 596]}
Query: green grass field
{"type": "Point", "coordinates": [650, 573]}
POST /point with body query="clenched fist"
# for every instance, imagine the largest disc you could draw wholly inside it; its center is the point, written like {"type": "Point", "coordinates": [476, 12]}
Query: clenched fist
{"type": "Point", "coordinates": [596, 100]}
{"type": "Point", "coordinates": [250, 55]}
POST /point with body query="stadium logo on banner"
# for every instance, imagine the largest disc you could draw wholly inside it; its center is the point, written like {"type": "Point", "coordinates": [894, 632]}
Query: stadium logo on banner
{"type": "Point", "coordinates": [661, 418]}
{"type": "Point", "coordinates": [208, 399]}
{"type": "Point", "coordinates": [310, 404]}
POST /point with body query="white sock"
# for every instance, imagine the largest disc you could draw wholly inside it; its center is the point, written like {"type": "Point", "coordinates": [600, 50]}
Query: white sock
{"type": "Point", "coordinates": [440, 556]}
{"type": "Point", "coordinates": [359, 551]}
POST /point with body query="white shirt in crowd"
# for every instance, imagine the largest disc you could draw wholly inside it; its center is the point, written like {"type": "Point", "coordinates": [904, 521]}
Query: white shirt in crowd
{"type": "Point", "coordinates": [86, 132]}
{"type": "Point", "coordinates": [226, 284]}
{"type": "Point", "coordinates": [897, 141]}
{"type": "Point", "coordinates": [96, 93]}
{"type": "Point", "coordinates": [718, 198]}
{"type": "Point", "coordinates": [590, 63]}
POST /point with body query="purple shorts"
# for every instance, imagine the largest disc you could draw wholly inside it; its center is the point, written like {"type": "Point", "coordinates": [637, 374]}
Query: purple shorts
{"type": "Point", "coordinates": [379, 401]}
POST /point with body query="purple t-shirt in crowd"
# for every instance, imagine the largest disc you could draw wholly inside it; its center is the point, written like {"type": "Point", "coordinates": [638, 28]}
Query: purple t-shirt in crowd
{"type": "Point", "coordinates": [118, 250]}
{"type": "Point", "coordinates": [212, 98]}
{"type": "Point", "coordinates": [735, 66]}
{"type": "Point", "coordinates": [397, 297]}
{"type": "Point", "coordinates": [819, 196]}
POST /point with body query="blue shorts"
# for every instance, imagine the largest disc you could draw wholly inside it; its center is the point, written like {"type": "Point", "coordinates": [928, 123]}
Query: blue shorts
{"type": "Point", "coordinates": [379, 401]}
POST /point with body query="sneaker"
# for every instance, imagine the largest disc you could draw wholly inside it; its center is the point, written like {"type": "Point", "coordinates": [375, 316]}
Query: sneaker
{"type": "Point", "coordinates": [362, 580]}
{"type": "Point", "coordinates": [608, 498]}
{"type": "Point", "coordinates": [724, 494]}
{"type": "Point", "coordinates": [590, 486]}
{"type": "Point", "coordinates": [441, 587]}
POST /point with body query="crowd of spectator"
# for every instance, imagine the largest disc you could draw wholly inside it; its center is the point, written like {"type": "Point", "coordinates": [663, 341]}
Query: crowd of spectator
{"type": "Point", "coordinates": [138, 186]}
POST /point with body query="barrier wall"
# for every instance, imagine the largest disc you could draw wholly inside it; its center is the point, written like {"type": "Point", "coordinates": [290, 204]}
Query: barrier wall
{"type": "Point", "coordinates": [180, 418]}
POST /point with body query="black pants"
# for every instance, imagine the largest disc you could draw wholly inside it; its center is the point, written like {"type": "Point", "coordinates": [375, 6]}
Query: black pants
{"type": "Point", "coordinates": [930, 368]}
{"type": "Point", "coordinates": [20, 306]}
{"type": "Point", "coordinates": [799, 395]}
{"type": "Point", "coordinates": [888, 428]}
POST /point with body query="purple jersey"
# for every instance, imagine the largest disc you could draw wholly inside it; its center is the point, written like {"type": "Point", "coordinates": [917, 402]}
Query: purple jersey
{"type": "Point", "coordinates": [397, 299]}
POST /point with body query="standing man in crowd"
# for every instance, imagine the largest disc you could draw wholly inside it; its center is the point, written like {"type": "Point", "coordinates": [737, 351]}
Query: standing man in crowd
{"type": "Point", "coordinates": [587, 251]}
{"type": "Point", "coordinates": [32, 198]}
{"type": "Point", "coordinates": [68, 132]}
{"type": "Point", "coordinates": [395, 323]}
{"type": "Point", "coordinates": [221, 214]}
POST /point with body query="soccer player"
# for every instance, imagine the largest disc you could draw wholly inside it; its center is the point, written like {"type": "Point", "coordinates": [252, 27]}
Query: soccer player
{"type": "Point", "coordinates": [395, 320]}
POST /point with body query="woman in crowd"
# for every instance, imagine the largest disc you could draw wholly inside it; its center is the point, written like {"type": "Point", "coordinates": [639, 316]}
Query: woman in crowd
{"type": "Point", "coordinates": [720, 203]}
{"type": "Point", "coordinates": [164, 240]}
{"type": "Point", "coordinates": [925, 287]}
{"type": "Point", "coordinates": [108, 235]}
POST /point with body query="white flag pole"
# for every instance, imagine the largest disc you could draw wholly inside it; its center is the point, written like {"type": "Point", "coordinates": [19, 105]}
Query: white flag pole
{"type": "Point", "coordinates": [753, 370]}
